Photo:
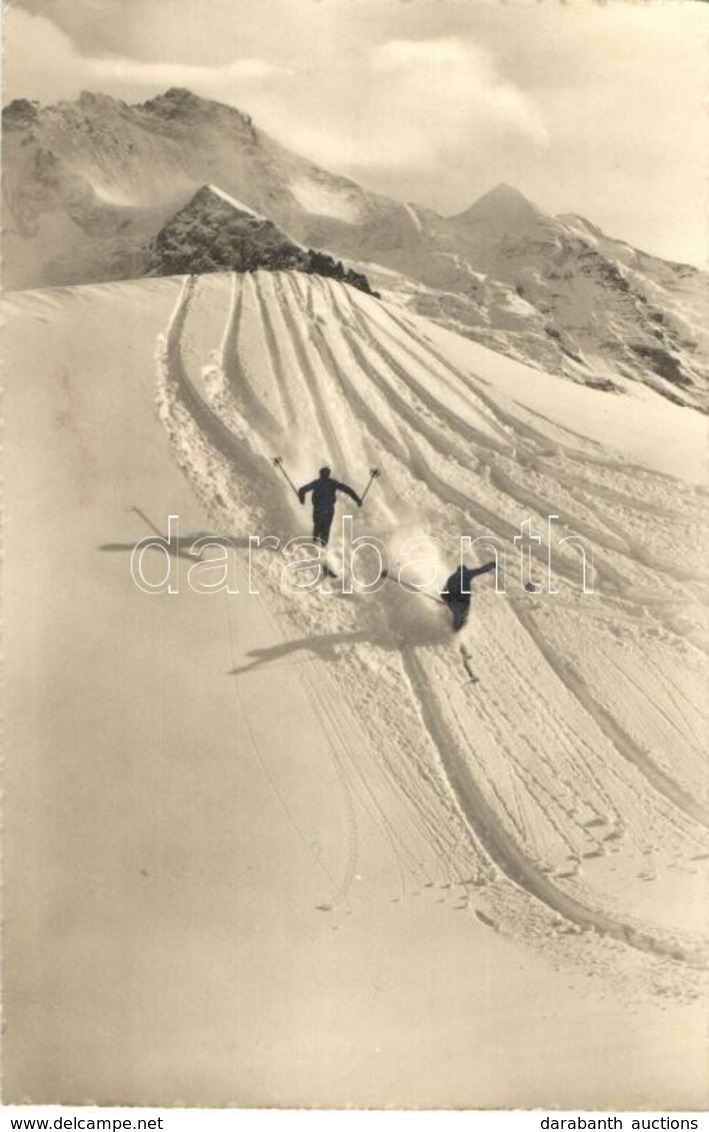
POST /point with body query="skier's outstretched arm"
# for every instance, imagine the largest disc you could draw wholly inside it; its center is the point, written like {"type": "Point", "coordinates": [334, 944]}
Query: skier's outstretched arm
{"type": "Point", "coordinates": [351, 492]}
{"type": "Point", "coordinates": [303, 491]}
{"type": "Point", "coordinates": [484, 569]}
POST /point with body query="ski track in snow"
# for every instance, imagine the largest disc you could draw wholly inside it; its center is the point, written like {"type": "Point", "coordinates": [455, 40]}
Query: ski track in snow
{"type": "Point", "coordinates": [520, 784]}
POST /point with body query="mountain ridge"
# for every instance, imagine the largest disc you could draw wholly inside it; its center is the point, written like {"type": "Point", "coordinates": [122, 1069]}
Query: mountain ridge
{"type": "Point", "coordinates": [88, 185]}
{"type": "Point", "coordinates": [217, 232]}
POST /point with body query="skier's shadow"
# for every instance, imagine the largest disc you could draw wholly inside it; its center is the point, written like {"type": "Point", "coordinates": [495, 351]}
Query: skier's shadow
{"type": "Point", "coordinates": [325, 646]}
{"type": "Point", "coordinates": [402, 625]}
{"type": "Point", "coordinates": [180, 547]}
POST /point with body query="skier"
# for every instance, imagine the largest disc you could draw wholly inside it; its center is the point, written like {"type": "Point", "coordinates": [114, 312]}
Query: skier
{"type": "Point", "coordinates": [457, 592]}
{"type": "Point", "coordinates": [325, 492]}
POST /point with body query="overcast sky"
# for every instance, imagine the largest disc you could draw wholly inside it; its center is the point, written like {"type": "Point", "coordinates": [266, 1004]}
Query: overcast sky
{"type": "Point", "coordinates": [596, 108]}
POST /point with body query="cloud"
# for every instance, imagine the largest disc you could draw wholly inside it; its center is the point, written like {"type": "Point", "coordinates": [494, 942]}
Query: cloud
{"type": "Point", "coordinates": [42, 62]}
{"type": "Point", "coordinates": [217, 80]}
{"type": "Point", "coordinates": [209, 33]}
{"type": "Point", "coordinates": [408, 104]}
{"type": "Point", "coordinates": [454, 86]}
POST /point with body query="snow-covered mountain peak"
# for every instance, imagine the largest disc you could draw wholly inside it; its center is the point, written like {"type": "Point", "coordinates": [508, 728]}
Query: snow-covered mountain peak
{"type": "Point", "coordinates": [178, 103]}
{"type": "Point", "coordinates": [176, 95]}
{"type": "Point", "coordinates": [214, 231]}
{"type": "Point", "coordinates": [20, 113]}
{"type": "Point", "coordinates": [98, 101]}
{"type": "Point", "coordinates": [503, 204]}
{"type": "Point", "coordinates": [239, 205]}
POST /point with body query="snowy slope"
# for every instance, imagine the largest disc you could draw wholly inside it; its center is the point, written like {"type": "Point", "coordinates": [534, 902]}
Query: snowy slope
{"type": "Point", "coordinates": [566, 771]}
{"type": "Point", "coordinates": [324, 754]}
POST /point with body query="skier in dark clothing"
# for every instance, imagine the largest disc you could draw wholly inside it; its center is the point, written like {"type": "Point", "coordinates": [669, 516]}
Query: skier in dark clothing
{"type": "Point", "coordinates": [325, 491]}
{"type": "Point", "coordinates": [457, 592]}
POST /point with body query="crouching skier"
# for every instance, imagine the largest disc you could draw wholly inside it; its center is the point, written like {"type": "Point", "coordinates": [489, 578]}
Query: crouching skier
{"type": "Point", "coordinates": [325, 491]}
{"type": "Point", "coordinates": [457, 591]}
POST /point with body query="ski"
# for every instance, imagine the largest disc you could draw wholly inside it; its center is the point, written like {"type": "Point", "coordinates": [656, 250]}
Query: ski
{"type": "Point", "coordinates": [467, 665]}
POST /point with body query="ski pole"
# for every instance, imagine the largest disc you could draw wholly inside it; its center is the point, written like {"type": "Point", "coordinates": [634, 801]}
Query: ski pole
{"type": "Point", "coordinates": [373, 473]}
{"type": "Point", "coordinates": [145, 519]}
{"type": "Point", "coordinates": [278, 461]}
{"type": "Point", "coordinates": [391, 576]}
